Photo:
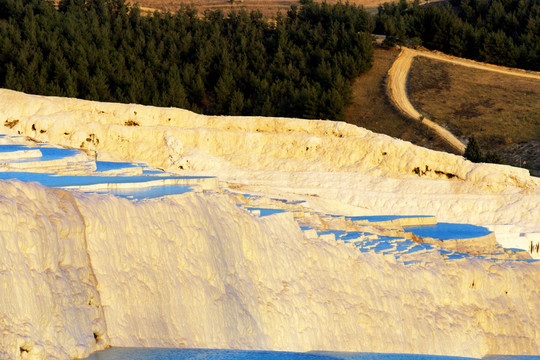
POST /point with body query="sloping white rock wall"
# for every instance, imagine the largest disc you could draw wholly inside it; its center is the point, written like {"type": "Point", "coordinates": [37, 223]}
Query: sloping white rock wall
{"type": "Point", "coordinates": [348, 168]}
{"type": "Point", "coordinates": [49, 304]}
{"type": "Point", "coordinates": [166, 137]}
{"type": "Point", "coordinates": [195, 270]}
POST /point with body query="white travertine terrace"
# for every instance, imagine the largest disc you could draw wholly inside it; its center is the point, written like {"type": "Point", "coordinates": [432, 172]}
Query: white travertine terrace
{"type": "Point", "coordinates": [79, 272]}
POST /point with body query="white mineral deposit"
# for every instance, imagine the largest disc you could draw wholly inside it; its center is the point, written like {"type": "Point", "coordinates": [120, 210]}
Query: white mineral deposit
{"type": "Point", "coordinates": [273, 251]}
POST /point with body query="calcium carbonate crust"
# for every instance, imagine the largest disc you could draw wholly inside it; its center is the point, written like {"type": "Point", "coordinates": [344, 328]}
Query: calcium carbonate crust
{"type": "Point", "coordinates": [82, 272]}
{"type": "Point", "coordinates": [195, 270]}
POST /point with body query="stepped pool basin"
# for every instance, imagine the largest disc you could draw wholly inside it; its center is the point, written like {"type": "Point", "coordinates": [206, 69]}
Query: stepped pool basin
{"type": "Point", "coordinates": [6, 148]}
{"type": "Point", "coordinates": [53, 180]}
{"type": "Point", "coordinates": [48, 153]}
{"type": "Point", "coordinates": [447, 231]}
{"type": "Point", "coordinates": [264, 211]}
{"type": "Point", "coordinates": [132, 180]}
{"type": "Point", "coordinates": [148, 193]}
{"type": "Point", "coordinates": [56, 153]}
{"type": "Point", "coordinates": [112, 165]}
{"type": "Point", "coordinates": [216, 354]}
{"type": "Point", "coordinates": [383, 218]}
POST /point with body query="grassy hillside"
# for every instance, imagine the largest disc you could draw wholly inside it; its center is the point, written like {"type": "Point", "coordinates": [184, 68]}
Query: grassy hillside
{"type": "Point", "coordinates": [371, 109]}
{"type": "Point", "coordinates": [501, 111]}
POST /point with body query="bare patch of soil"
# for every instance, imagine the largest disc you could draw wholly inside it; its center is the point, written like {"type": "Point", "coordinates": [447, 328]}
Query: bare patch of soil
{"type": "Point", "coordinates": [371, 109]}
{"type": "Point", "coordinates": [501, 111]}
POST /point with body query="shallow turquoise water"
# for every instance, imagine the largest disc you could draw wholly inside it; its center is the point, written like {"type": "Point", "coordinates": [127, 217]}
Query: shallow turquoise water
{"type": "Point", "coordinates": [5, 148]}
{"type": "Point", "coordinates": [215, 354]}
{"type": "Point", "coordinates": [150, 192]}
{"type": "Point", "coordinates": [265, 211]}
{"type": "Point", "coordinates": [446, 231]}
{"type": "Point", "coordinates": [113, 165]}
{"type": "Point", "coordinates": [47, 152]}
{"type": "Point", "coordinates": [53, 153]}
{"type": "Point", "coordinates": [380, 218]}
{"type": "Point", "coordinates": [52, 180]}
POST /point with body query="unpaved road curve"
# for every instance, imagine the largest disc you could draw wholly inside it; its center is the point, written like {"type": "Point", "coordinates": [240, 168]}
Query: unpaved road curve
{"type": "Point", "coordinates": [397, 82]}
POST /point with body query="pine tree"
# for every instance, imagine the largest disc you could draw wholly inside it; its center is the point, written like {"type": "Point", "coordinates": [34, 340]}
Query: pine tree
{"type": "Point", "coordinates": [472, 151]}
{"type": "Point", "coordinates": [300, 65]}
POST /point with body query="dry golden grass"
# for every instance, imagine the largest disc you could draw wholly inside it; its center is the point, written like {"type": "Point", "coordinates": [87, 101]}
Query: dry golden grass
{"type": "Point", "coordinates": [268, 8]}
{"type": "Point", "coordinates": [371, 109]}
{"type": "Point", "coordinates": [501, 111]}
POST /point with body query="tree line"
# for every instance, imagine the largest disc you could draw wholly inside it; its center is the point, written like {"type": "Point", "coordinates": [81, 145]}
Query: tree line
{"type": "Point", "coordinates": [503, 32]}
{"type": "Point", "coordinates": [299, 64]}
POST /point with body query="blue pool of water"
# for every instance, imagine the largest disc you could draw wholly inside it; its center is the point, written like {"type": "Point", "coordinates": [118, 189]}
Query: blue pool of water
{"type": "Point", "coordinates": [383, 246]}
{"type": "Point", "coordinates": [516, 249]}
{"type": "Point", "coordinates": [51, 153]}
{"type": "Point", "coordinates": [211, 354]}
{"type": "Point", "coordinates": [512, 357]}
{"type": "Point", "coordinates": [265, 211]}
{"type": "Point", "coordinates": [453, 255]}
{"type": "Point", "coordinates": [378, 218]}
{"type": "Point", "coordinates": [446, 231]}
{"type": "Point", "coordinates": [352, 235]}
{"type": "Point", "coordinates": [111, 165]}
{"type": "Point", "coordinates": [47, 153]}
{"type": "Point", "coordinates": [337, 233]}
{"type": "Point", "coordinates": [52, 180]}
{"type": "Point", "coordinates": [149, 193]}
{"type": "Point", "coordinates": [153, 172]}
{"type": "Point", "coordinates": [13, 148]}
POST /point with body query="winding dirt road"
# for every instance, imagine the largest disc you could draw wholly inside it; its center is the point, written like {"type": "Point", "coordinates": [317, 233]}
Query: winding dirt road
{"type": "Point", "coordinates": [397, 82]}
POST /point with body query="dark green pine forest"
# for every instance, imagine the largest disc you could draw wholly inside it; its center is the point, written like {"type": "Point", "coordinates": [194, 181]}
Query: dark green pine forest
{"type": "Point", "coordinates": [503, 32]}
{"type": "Point", "coordinates": [297, 65]}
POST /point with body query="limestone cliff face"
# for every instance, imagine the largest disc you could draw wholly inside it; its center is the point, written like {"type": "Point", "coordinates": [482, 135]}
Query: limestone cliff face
{"type": "Point", "coordinates": [49, 305]}
{"type": "Point", "coordinates": [170, 138]}
{"type": "Point", "coordinates": [79, 272]}
{"type": "Point", "coordinates": [337, 162]}
{"type": "Point", "coordinates": [194, 270]}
